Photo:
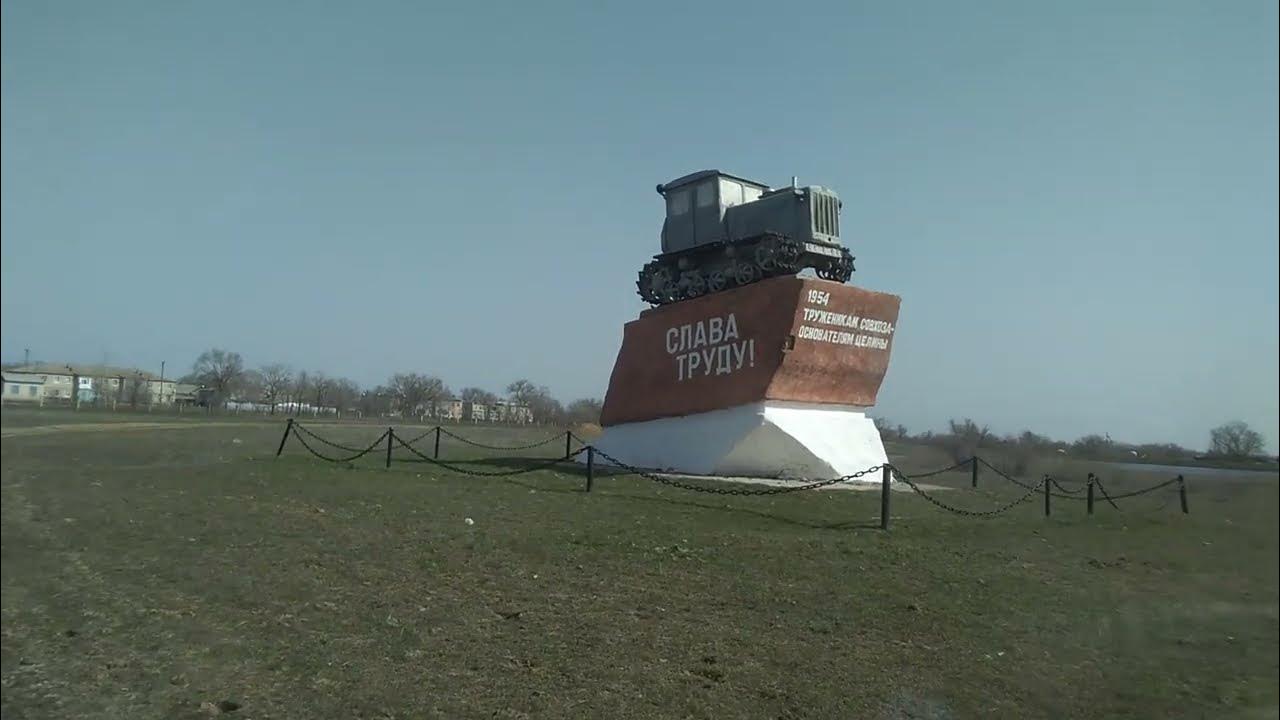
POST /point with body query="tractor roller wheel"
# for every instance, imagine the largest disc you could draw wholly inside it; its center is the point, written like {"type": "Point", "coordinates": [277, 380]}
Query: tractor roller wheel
{"type": "Point", "coordinates": [767, 256]}
{"type": "Point", "coordinates": [716, 281]}
{"type": "Point", "coordinates": [766, 263]}
{"type": "Point", "coordinates": [745, 273]}
{"type": "Point", "coordinates": [692, 284]}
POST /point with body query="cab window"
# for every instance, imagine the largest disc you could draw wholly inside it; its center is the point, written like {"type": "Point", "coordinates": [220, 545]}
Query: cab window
{"type": "Point", "coordinates": [677, 203]}
{"type": "Point", "coordinates": [707, 193]}
{"type": "Point", "coordinates": [730, 193]}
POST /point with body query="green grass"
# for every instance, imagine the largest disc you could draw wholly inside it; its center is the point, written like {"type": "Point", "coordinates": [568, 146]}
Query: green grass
{"type": "Point", "coordinates": [147, 573]}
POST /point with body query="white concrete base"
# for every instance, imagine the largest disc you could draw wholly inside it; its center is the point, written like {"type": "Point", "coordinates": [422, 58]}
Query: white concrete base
{"type": "Point", "coordinates": [767, 439]}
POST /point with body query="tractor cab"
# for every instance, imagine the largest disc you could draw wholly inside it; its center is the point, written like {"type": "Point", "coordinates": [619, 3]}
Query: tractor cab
{"type": "Point", "coordinates": [696, 204]}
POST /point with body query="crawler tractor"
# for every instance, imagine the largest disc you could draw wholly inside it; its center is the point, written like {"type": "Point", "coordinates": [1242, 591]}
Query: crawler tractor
{"type": "Point", "coordinates": [724, 231]}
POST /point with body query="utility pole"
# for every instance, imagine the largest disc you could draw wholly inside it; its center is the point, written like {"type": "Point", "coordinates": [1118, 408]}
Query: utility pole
{"type": "Point", "coordinates": [26, 356]}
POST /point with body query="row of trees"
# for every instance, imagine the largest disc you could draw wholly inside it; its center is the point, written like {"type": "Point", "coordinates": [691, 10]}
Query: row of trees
{"type": "Point", "coordinates": [226, 377]}
{"type": "Point", "coordinates": [965, 437]}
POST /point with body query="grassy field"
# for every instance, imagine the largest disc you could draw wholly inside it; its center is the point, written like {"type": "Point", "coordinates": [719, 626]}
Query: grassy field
{"type": "Point", "coordinates": [156, 573]}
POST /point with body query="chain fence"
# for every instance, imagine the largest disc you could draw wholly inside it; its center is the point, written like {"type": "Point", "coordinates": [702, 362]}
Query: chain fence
{"type": "Point", "coordinates": [1135, 493]}
{"type": "Point", "coordinates": [931, 473]}
{"type": "Point", "coordinates": [909, 482]}
{"type": "Point", "coordinates": [297, 427]}
{"type": "Point", "coordinates": [476, 473]}
{"type": "Point", "coordinates": [1049, 487]}
{"type": "Point", "coordinates": [554, 438]}
{"type": "Point", "coordinates": [419, 438]}
{"type": "Point", "coordinates": [1066, 491]}
{"type": "Point", "coordinates": [1062, 494]}
{"type": "Point", "coordinates": [1105, 496]}
{"type": "Point", "coordinates": [358, 453]}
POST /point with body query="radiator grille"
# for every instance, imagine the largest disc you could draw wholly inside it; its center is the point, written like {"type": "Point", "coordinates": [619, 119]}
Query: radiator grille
{"type": "Point", "coordinates": [826, 215]}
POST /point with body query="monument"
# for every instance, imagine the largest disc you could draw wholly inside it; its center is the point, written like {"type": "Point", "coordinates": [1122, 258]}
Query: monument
{"type": "Point", "coordinates": [744, 367]}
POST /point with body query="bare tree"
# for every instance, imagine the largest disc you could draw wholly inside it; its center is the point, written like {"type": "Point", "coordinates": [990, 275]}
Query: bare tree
{"type": "Point", "coordinates": [343, 394]}
{"type": "Point", "coordinates": [545, 408]}
{"type": "Point", "coordinates": [105, 389]}
{"type": "Point", "coordinates": [375, 402]}
{"type": "Point", "coordinates": [220, 371]}
{"type": "Point", "coordinates": [276, 379]}
{"type": "Point", "coordinates": [137, 390]}
{"type": "Point", "coordinates": [965, 439]}
{"type": "Point", "coordinates": [250, 387]}
{"type": "Point", "coordinates": [1092, 446]}
{"type": "Point", "coordinates": [885, 426]}
{"type": "Point", "coordinates": [321, 385]}
{"type": "Point", "coordinates": [301, 385]}
{"type": "Point", "coordinates": [889, 430]}
{"type": "Point", "coordinates": [414, 392]}
{"type": "Point", "coordinates": [1034, 441]}
{"type": "Point", "coordinates": [537, 398]}
{"type": "Point", "coordinates": [477, 395]}
{"type": "Point", "coordinates": [584, 410]}
{"type": "Point", "coordinates": [522, 391]}
{"type": "Point", "coordinates": [1235, 439]}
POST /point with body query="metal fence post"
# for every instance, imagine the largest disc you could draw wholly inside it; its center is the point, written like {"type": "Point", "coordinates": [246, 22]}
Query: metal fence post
{"type": "Point", "coordinates": [568, 438]}
{"type": "Point", "coordinates": [436, 453]}
{"type": "Point", "coordinates": [591, 461]}
{"type": "Point", "coordinates": [886, 474]}
{"type": "Point", "coordinates": [1182, 494]}
{"type": "Point", "coordinates": [975, 471]}
{"type": "Point", "coordinates": [1046, 496]}
{"type": "Point", "coordinates": [1089, 496]}
{"type": "Point", "coordinates": [391, 434]}
{"type": "Point", "coordinates": [288, 428]}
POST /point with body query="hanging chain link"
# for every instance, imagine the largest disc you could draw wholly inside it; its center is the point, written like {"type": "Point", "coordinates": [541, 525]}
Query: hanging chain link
{"type": "Point", "coordinates": [931, 473]}
{"type": "Point", "coordinates": [1064, 495]}
{"type": "Point", "coordinates": [530, 446]}
{"type": "Point", "coordinates": [1103, 490]}
{"type": "Point", "coordinates": [358, 453]}
{"type": "Point", "coordinates": [480, 473]}
{"type": "Point", "coordinates": [1058, 485]}
{"type": "Point", "coordinates": [1006, 476]}
{"type": "Point", "coordinates": [962, 511]}
{"type": "Point", "coordinates": [302, 428]}
{"type": "Point", "coordinates": [418, 438]}
{"type": "Point", "coordinates": [1134, 493]}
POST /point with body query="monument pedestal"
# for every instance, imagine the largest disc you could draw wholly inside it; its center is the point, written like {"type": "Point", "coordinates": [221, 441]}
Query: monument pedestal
{"type": "Point", "coordinates": [764, 439]}
{"type": "Point", "coordinates": [766, 380]}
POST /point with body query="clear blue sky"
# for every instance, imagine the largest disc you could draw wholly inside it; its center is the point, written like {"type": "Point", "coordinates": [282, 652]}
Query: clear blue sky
{"type": "Point", "coordinates": [1076, 200]}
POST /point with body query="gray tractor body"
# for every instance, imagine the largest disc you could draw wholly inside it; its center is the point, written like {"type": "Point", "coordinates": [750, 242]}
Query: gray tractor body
{"type": "Point", "coordinates": [723, 231]}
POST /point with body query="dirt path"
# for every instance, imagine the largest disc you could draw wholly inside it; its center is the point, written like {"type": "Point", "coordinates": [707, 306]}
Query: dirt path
{"type": "Point", "coordinates": [114, 426]}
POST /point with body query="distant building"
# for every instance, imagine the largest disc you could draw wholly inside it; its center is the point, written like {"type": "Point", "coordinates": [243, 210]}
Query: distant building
{"type": "Point", "coordinates": [475, 412]}
{"type": "Point", "coordinates": [450, 409]}
{"type": "Point", "coordinates": [191, 395]}
{"type": "Point", "coordinates": [22, 388]}
{"type": "Point", "coordinates": [95, 383]}
{"type": "Point", "coordinates": [509, 412]}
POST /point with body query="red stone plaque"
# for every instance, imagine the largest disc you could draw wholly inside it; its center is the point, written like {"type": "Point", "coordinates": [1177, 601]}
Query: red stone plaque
{"type": "Point", "coordinates": [787, 338]}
